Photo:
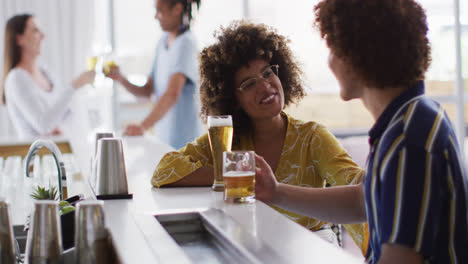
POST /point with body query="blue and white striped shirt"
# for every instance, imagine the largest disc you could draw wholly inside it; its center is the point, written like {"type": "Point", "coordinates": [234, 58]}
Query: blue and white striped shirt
{"type": "Point", "coordinates": [415, 186]}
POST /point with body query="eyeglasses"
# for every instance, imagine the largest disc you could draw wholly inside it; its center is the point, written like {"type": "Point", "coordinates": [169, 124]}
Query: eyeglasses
{"type": "Point", "coordinates": [267, 74]}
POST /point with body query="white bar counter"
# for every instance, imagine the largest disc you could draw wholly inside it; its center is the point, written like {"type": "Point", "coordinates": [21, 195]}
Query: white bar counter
{"type": "Point", "coordinates": [292, 241]}
{"type": "Point", "coordinates": [139, 238]}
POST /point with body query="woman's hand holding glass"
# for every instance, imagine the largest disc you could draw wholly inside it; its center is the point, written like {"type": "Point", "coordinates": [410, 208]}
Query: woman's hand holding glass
{"type": "Point", "coordinates": [113, 71]}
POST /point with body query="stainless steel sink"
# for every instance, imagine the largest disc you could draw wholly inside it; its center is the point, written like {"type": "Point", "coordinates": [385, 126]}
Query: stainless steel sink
{"type": "Point", "coordinates": [211, 236]}
{"type": "Point", "coordinates": [190, 233]}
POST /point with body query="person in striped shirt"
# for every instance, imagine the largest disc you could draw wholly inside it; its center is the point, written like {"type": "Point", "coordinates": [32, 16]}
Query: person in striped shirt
{"type": "Point", "coordinates": [414, 194]}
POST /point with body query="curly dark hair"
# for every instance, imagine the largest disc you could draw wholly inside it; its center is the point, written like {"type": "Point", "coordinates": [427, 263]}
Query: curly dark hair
{"type": "Point", "coordinates": [237, 45]}
{"type": "Point", "coordinates": [385, 41]}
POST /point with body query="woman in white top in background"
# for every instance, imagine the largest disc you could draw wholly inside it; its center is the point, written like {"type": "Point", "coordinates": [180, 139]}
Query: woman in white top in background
{"type": "Point", "coordinates": [36, 106]}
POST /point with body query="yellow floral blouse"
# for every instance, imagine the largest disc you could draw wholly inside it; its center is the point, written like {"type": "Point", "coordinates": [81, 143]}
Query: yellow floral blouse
{"type": "Point", "coordinates": [311, 157]}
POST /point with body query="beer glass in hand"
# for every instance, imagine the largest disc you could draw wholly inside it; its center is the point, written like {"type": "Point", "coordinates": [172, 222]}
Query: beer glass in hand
{"type": "Point", "coordinates": [239, 176]}
{"type": "Point", "coordinates": [107, 67]}
{"type": "Point", "coordinates": [91, 63]}
{"type": "Point", "coordinates": [220, 136]}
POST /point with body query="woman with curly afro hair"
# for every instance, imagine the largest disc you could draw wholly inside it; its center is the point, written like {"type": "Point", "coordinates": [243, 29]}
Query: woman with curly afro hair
{"type": "Point", "coordinates": [414, 194]}
{"type": "Point", "coordinates": [251, 74]}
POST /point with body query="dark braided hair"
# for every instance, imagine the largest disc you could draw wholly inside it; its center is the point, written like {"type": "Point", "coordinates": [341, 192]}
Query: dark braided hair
{"type": "Point", "coordinates": [187, 13]}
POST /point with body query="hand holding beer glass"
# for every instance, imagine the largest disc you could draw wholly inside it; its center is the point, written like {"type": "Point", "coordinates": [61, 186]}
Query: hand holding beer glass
{"type": "Point", "coordinates": [220, 137]}
{"type": "Point", "coordinates": [94, 63]}
{"type": "Point", "coordinates": [107, 67]}
{"type": "Point", "coordinates": [239, 176]}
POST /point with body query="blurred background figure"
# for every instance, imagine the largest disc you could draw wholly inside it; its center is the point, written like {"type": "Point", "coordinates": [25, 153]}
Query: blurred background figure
{"type": "Point", "coordinates": [37, 105]}
{"type": "Point", "coordinates": [173, 78]}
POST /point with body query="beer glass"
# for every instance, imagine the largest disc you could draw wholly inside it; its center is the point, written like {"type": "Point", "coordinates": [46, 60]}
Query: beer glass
{"type": "Point", "coordinates": [220, 137]}
{"type": "Point", "coordinates": [91, 63]}
{"type": "Point", "coordinates": [239, 176]}
{"type": "Point", "coordinates": [107, 66]}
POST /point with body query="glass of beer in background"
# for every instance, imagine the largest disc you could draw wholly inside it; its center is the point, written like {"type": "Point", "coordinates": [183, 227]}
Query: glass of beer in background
{"type": "Point", "coordinates": [91, 63]}
{"type": "Point", "coordinates": [220, 136]}
{"type": "Point", "coordinates": [107, 66]}
{"type": "Point", "coordinates": [239, 176]}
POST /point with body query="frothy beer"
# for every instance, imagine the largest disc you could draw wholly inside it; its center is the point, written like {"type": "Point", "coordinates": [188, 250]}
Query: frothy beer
{"type": "Point", "coordinates": [220, 136]}
{"type": "Point", "coordinates": [239, 186]}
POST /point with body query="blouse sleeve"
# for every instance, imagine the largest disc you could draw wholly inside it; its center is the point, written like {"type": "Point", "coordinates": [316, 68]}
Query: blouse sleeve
{"type": "Point", "coordinates": [178, 164]}
{"type": "Point", "coordinates": [337, 168]}
{"type": "Point", "coordinates": [43, 117]}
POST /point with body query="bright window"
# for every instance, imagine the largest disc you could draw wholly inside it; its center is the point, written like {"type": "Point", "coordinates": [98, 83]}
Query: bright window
{"type": "Point", "coordinates": [294, 19]}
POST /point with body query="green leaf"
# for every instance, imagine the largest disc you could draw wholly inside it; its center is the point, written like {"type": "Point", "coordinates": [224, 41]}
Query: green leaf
{"type": "Point", "coordinates": [41, 193]}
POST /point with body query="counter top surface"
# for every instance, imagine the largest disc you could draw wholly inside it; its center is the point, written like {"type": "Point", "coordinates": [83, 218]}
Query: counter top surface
{"type": "Point", "coordinates": [139, 238]}
{"type": "Point", "coordinates": [292, 241]}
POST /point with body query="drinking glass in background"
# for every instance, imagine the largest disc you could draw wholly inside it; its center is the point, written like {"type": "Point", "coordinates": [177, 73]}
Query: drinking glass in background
{"type": "Point", "coordinates": [107, 66]}
{"type": "Point", "coordinates": [239, 176]}
{"type": "Point", "coordinates": [220, 136]}
{"type": "Point", "coordinates": [91, 63]}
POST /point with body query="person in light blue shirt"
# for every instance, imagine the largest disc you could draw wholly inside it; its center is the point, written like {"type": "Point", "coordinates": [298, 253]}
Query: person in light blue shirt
{"type": "Point", "coordinates": [173, 78]}
{"type": "Point", "coordinates": [181, 124]}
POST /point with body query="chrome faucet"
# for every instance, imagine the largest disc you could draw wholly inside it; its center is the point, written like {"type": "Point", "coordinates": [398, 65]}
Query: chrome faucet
{"type": "Point", "coordinates": [56, 154]}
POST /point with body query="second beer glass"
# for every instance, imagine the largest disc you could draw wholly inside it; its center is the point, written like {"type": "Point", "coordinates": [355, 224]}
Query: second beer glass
{"type": "Point", "coordinates": [220, 135]}
{"type": "Point", "coordinates": [239, 176]}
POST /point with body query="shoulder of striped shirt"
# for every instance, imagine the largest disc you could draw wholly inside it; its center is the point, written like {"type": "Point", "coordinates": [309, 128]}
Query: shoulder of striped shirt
{"type": "Point", "coordinates": [411, 123]}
